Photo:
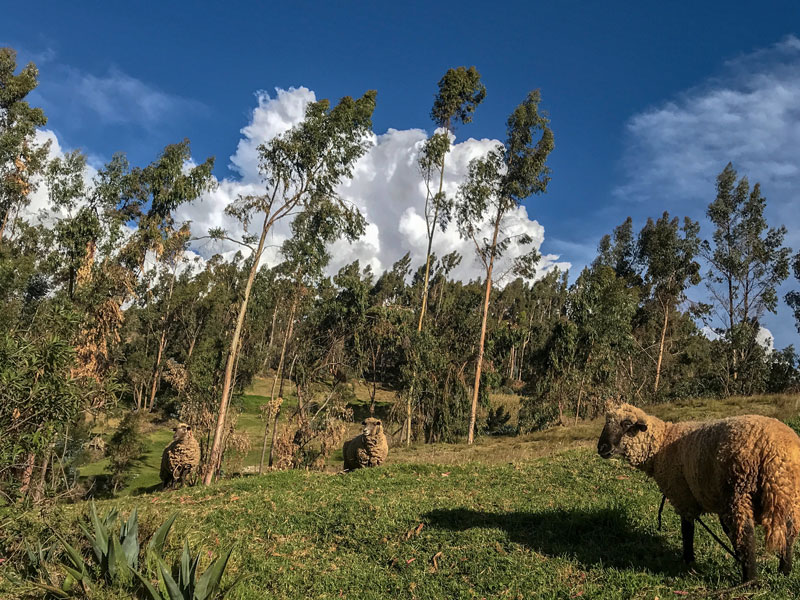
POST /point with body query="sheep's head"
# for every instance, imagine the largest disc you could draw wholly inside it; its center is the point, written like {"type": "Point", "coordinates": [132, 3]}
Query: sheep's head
{"type": "Point", "coordinates": [372, 427]}
{"type": "Point", "coordinates": [182, 431]}
{"type": "Point", "coordinates": [625, 426]}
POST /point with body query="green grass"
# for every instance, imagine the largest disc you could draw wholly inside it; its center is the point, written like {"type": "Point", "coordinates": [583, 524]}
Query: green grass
{"type": "Point", "coordinates": [535, 516]}
{"type": "Point", "coordinates": [566, 526]}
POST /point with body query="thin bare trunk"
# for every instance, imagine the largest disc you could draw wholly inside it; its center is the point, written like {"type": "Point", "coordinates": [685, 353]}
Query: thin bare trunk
{"type": "Point", "coordinates": [216, 446]}
{"type": "Point", "coordinates": [277, 414]}
{"type": "Point", "coordinates": [661, 347]}
{"type": "Point", "coordinates": [287, 336]}
{"type": "Point", "coordinates": [27, 474]}
{"type": "Point", "coordinates": [162, 342]}
{"type": "Point", "coordinates": [476, 387]}
{"type": "Point", "coordinates": [271, 337]}
{"type": "Point", "coordinates": [4, 222]}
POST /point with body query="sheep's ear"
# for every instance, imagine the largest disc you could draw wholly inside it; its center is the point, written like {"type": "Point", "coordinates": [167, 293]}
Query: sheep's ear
{"type": "Point", "coordinates": [640, 426]}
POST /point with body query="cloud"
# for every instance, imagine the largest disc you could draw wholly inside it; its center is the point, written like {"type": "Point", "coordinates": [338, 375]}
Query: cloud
{"type": "Point", "coordinates": [386, 187]}
{"type": "Point", "coordinates": [115, 98]}
{"type": "Point", "coordinates": [749, 115]}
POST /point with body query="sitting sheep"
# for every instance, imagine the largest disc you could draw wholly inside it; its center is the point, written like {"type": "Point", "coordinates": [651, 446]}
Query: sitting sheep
{"type": "Point", "coordinates": [368, 449]}
{"type": "Point", "coordinates": [181, 458]}
{"type": "Point", "coordinates": [745, 469]}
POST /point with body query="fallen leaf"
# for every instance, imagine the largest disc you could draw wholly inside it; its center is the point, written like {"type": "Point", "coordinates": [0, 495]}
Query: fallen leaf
{"type": "Point", "coordinates": [680, 593]}
{"type": "Point", "coordinates": [445, 474]}
{"type": "Point", "coordinates": [233, 498]}
{"type": "Point", "coordinates": [499, 548]}
{"type": "Point", "coordinates": [622, 477]}
{"type": "Point", "coordinates": [410, 560]}
{"type": "Point", "coordinates": [435, 562]}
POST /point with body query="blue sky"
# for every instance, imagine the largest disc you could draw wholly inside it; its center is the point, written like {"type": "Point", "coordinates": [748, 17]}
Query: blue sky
{"type": "Point", "coordinates": [648, 100]}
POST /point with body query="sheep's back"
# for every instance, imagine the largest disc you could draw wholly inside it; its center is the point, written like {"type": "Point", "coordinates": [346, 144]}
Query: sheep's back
{"type": "Point", "coordinates": [706, 464]}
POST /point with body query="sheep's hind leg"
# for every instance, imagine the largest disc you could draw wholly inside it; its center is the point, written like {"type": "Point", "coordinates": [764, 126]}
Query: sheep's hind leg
{"type": "Point", "coordinates": [687, 533]}
{"type": "Point", "coordinates": [744, 534]}
{"type": "Point", "coordinates": [785, 564]}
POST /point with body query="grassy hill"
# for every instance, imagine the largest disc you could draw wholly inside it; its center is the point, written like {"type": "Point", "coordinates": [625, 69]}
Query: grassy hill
{"type": "Point", "coordinates": [534, 517]}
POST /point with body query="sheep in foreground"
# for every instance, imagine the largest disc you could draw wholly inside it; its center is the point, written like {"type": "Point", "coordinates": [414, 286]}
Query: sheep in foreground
{"type": "Point", "coordinates": [368, 449]}
{"type": "Point", "coordinates": [744, 469]}
{"type": "Point", "coordinates": [180, 458]}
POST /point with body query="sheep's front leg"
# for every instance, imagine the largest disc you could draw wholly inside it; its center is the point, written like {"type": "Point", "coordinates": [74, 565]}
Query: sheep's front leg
{"type": "Point", "coordinates": [687, 533]}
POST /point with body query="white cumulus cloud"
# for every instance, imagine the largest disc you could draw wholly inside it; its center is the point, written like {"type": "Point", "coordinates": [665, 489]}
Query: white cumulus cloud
{"type": "Point", "coordinates": [386, 187]}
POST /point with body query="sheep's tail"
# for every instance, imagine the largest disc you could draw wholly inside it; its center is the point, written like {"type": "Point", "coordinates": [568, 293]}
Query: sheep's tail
{"type": "Point", "coordinates": [780, 500]}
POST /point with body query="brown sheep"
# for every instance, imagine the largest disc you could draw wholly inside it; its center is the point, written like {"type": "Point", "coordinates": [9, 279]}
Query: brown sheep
{"type": "Point", "coordinates": [180, 458]}
{"type": "Point", "coordinates": [368, 449]}
{"type": "Point", "coordinates": [744, 469]}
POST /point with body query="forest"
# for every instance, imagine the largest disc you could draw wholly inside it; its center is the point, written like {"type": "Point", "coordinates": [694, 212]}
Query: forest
{"type": "Point", "coordinates": [106, 315]}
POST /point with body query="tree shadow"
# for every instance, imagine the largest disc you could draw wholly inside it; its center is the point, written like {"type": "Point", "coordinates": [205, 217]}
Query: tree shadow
{"type": "Point", "coordinates": [593, 537]}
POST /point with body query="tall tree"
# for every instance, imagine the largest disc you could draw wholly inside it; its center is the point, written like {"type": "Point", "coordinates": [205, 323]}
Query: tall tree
{"type": "Point", "coordinates": [460, 92]}
{"type": "Point", "coordinates": [497, 184]}
{"type": "Point", "coordinates": [748, 262]}
{"type": "Point", "coordinates": [793, 297]}
{"type": "Point", "coordinates": [670, 267]}
{"type": "Point", "coordinates": [21, 158]}
{"type": "Point", "coordinates": [302, 170]}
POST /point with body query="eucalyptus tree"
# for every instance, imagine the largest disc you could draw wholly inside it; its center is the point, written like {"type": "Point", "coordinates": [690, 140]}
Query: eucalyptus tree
{"type": "Point", "coordinates": [748, 262]}
{"type": "Point", "coordinates": [497, 184]}
{"type": "Point", "coordinates": [301, 169]}
{"type": "Point", "coordinates": [460, 92]}
{"type": "Point", "coordinates": [21, 157]}
{"type": "Point", "coordinates": [670, 267]}
{"type": "Point", "coordinates": [305, 258]}
{"type": "Point", "coordinates": [793, 297]}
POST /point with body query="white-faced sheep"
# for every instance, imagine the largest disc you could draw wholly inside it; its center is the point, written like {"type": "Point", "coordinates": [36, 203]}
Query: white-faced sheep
{"type": "Point", "coordinates": [368, 449]}
{"type": "Point", "coordinates": [744, 469]}
{"type": "Point", "coordinates": [180, 458]}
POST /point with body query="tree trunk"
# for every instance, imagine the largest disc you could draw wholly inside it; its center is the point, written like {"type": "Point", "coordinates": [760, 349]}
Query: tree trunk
{"type": "Point", "coordinates": [4, 222]}
{"type": "Point", "coordinates": [265, 364]}
{"type": "Point", "coordinates": [216, 446]}
{"type": "Point", "coordinates": [277, 414]}
{"type": "Point", "coordinates": [661, 347]}
{"type": "Point", "coordinates": [479, 366]}
{"type": "Point", "coordinates": [26, 475]}
{"type": "Point", "coordinates": [278, 373]}
{"type": "Point", "coordinates": [162, 342]}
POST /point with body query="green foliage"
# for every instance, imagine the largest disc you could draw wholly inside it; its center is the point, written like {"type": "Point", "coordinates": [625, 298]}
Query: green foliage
{"type": "Point", "coordinates": [125, 447]}
{"type": "Point", "coordinates": [187, 586]}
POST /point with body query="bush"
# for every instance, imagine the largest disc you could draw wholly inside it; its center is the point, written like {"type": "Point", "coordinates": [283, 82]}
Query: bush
{"type": "Point", "coordinates": [125, 448]}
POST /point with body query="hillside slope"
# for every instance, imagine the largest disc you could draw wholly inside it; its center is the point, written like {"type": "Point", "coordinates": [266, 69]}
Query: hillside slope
{"type": "Point", "coordinates": [567, 525]}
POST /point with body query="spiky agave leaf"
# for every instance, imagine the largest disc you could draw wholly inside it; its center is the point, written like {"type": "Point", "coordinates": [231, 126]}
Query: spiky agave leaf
{"type": "Point", "coordinates": [209, 581]}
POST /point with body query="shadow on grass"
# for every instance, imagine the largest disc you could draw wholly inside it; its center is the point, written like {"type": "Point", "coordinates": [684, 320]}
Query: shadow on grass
{"type": "Point", "coordinates": [598, 537]}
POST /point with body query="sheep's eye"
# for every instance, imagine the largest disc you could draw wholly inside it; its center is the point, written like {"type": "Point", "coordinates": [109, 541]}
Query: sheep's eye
{"type": "Point", "coordinates": [626, 424]}
{"type": "Point", "coordinates": [378, 423]}
{"type": "Point", "coordinates": [364, 423]}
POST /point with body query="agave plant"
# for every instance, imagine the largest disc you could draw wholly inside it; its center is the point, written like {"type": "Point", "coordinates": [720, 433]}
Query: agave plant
{"type": "Point", "coordinates": [115, 556]}
{"type": "Point", "coordinates": [188, 586]}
